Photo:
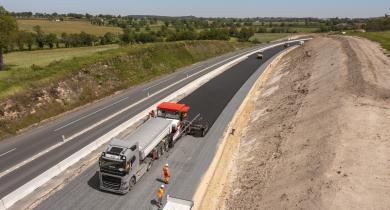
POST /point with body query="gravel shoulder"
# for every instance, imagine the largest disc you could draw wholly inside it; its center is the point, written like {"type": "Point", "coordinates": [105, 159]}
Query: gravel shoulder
{"type": "Point", "coordinates": [318, 137]}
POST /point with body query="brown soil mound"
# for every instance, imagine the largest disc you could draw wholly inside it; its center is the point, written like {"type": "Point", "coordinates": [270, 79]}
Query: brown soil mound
{"type": "Point", "coordinates": [319, 137]}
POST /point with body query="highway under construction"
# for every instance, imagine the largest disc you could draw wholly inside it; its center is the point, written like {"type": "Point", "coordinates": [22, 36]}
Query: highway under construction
{"type": "Point", "coordinates": [216, 101]}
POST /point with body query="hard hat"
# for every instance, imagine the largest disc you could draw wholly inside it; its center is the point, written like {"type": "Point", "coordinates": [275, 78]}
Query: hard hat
{"type": "Point", "coordinates": [166, 164]}
{"type": "Point", "coordinates": [162, 186]}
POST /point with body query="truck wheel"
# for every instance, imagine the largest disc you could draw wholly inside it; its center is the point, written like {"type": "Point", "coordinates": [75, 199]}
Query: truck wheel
{"type": "Point", "coordinates": [171, 143]}
{"type": "Point", "coordinates": [203, 132]}
{"type": "Point", "coordinates": [132, 183]}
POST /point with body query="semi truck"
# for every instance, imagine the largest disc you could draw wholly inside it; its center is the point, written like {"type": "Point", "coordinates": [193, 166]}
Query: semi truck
{"type": "Point", "coordinates": [125, 160]}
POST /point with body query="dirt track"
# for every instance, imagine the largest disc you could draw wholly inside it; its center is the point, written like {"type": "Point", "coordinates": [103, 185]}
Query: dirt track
{"type": "Point", "coordinates": [319, 137]}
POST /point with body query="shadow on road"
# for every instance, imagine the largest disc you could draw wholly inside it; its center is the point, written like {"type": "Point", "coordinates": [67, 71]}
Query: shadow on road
{"type": "Point", "coordinates": [155, 204]}
{"type": "Point", "coordinates": [160, 180]}
{"type": "Point", "coordinates": [94, 181]}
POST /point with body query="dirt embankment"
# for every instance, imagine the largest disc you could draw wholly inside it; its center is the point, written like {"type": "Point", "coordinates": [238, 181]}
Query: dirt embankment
{"type": "Point", "coordinates": [319, 137]}
{"type": "Point", "coordinates": [65, 85]}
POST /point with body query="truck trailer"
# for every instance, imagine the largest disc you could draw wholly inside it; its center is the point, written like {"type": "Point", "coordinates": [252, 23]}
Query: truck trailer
{"type": "Point", "coordinates": [126, 160]}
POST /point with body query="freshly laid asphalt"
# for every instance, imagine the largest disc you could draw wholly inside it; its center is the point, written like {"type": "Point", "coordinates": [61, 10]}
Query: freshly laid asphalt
{"type": "Point", "coordinates": [36, 140]}
{"type": "Point", "coordinates": [216, 101]}
{"type": "Point", "coordinates": [210, 99]}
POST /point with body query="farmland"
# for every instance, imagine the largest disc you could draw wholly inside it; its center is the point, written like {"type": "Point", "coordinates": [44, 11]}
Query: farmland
{"type": "Point", "coordinates": [44, 57]}
{"type": "Point", "coordinates": [267, 37]}
{"type": "Point", "coordinates": [60, 27]}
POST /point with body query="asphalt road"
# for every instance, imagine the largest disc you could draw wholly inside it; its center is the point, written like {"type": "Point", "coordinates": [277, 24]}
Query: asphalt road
{"type": "Point", "coordinates": [217, 101]}
{"type": "Point", "coordinates": [15, 150]}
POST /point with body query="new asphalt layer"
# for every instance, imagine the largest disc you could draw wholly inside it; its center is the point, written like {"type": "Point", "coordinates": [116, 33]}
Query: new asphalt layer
{"type": "Point", "coordinates": [216, 101]}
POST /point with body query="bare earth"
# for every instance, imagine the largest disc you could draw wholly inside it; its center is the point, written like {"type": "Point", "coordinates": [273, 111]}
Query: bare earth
{"type": "Point", "coordinates": [319, 136]}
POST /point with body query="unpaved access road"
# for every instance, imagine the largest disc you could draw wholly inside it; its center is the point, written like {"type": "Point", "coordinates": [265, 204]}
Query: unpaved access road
{"type": "Point", "coordinates": [319, 134]}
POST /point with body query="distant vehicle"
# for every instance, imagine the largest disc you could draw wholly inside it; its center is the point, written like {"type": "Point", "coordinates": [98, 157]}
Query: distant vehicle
{"type": "Point", "coordinates": [126, 160]}
{"type": "Point", "coordinates": [260, 55]}
{"type": "Point", "coordinates": [286, 44]}
{"type": "Point", "coordinates": [301, 43]}
{"type": "Point", "coordinates": [178, 204]}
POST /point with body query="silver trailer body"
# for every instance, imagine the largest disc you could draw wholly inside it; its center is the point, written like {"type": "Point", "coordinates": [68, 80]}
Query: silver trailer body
{"type": "Point", "coordinates": [150, 134]}
{"type": "Point", "coordinates": [124, 161]}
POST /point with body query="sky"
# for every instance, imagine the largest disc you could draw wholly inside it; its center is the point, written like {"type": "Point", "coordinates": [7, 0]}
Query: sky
{"type": "Point", "coordinates": [208, 8]}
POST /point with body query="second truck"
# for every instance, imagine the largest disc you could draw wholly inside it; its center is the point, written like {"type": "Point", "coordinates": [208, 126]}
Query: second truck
{"type": "Point", "coordinates": [126, 160]}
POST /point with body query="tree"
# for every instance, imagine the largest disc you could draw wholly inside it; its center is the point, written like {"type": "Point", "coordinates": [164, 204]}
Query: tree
{"type": "Point", "coordinates": [128, 36]}
{"type": "Point", "coordinates": [65, 39]}
{"type": "Point", "coordinates": [40, 37]}
{"type": "Point", "coordinates": [24, 38]}
{"type": "Point", "coordinates": [30, 39]}
{"type": "Point", "coordinates": [108, 38]}
{"type": "Point", "coordinates": [20, 40]}
{"type": "Point", "coordinates": [8, 30]}
{"type": "Point", "coordinates": [245, 34]}
{"type": "Point", "coordinates": [51, 39]}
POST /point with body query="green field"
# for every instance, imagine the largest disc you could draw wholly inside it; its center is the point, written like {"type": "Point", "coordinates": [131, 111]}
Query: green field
{"type": "Point", "coordinates": [45, 57]}
{"type": "Point", "coordinates": [268, 37]}
{"type": "Point", "coordinates": [58, 28]}
{"type": "Point", "coordinates": [382, 37]}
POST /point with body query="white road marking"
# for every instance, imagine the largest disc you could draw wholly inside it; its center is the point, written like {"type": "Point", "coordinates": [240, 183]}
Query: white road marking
{"type": "Point", "coordinates": [8, 152]}
{"type": "Point", "coordinates": [13, 168]}
{"type": "Point", "coordinates": [157, 84]}
{"type": "Point", "coordinates": [110, 117]}
{"type": "Point", "coordinates": [167, 79]}
{"type": "Point", "coordinates": [90, 114]}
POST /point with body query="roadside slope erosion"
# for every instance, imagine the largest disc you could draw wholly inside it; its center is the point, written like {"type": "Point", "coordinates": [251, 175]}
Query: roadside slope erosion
{"type": "Point", "coordinates": [318, 137]}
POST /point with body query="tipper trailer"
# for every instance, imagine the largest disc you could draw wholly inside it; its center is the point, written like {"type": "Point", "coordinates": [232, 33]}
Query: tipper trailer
{"type": "Point", "coordinates": [126, 160]}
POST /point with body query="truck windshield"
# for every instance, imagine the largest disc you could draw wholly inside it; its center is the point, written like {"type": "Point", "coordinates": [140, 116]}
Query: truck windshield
{"type": "Point", "coordinates": [111, 164]}
{"type": "Point", "coordinates": [168, 114]}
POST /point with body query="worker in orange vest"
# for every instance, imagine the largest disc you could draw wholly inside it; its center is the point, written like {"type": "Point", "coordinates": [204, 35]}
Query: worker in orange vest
{"type": "Point", "coordinates": [166, 174]}
{"type": "Point", "coordinates": [160, 196]}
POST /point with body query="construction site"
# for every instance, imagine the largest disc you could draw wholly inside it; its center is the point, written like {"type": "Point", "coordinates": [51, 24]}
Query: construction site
{"type": "Point", "coordinates": [313, 134]}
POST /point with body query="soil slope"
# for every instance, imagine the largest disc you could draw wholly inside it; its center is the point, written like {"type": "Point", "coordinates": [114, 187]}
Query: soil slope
{"type": "Point", "coordinates": [319, 137]}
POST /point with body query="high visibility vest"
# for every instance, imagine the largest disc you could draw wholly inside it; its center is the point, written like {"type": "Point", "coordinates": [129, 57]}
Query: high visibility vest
{"type": "Point", "coordinates": [160, 193]}
{"type": "Point", "coordinates": [166, 171]}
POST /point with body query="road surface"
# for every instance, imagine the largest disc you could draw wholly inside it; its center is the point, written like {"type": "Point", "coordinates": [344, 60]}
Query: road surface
{"type": "Point", "coordinates": [217, 101]}
{"type": "Point", "coordinates": [21, 156]}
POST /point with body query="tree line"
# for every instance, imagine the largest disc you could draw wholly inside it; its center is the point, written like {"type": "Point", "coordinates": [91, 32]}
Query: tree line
{"type": "Point", "coordinates": [38, 39]}
{"type": "Point", "coordinates": [378, 24]}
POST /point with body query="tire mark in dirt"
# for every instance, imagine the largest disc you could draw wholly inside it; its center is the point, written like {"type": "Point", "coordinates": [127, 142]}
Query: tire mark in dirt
{"type": "Point", "coordinates": [357, 83]}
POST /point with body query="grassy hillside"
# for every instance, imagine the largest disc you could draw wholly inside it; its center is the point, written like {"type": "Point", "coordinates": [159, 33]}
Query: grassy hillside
{"type": "Point", "coordinates": [29, 95]}
{"type": "Point", "coordinates": [382, 37]}
{"type": "Point", "coordinates": [45, 57]}
{"type": "Point", "coordinates": [66, 26]}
